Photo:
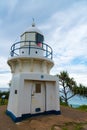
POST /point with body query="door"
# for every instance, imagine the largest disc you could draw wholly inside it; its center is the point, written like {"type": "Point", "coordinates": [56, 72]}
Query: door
{"type": "Point", "coordinates": [38, 97]}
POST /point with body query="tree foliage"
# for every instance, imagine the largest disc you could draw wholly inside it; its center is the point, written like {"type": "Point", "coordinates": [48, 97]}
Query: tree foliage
{"type": "Point", "coordinates": [69, 87]}
{"type": "Point", "coordinates": [4, 93]}
{"type": "Point", "coordinates": [80, 90]}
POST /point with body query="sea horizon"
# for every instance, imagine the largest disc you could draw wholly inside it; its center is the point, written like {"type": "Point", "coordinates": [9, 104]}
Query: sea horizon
{"type": "Point", "coordinates": [4, 89]}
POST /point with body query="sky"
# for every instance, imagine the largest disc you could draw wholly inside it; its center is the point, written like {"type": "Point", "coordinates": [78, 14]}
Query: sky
{"type": "Point", "coordinates": [64, 25]}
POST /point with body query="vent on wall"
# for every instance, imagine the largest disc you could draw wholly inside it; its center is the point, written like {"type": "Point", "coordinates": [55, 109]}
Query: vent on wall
{"type": "Point", "coordinates": [37, 109]}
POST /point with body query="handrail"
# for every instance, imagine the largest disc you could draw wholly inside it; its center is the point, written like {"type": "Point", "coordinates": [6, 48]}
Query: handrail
{"type": "Point", "coordinates": [15, 48]}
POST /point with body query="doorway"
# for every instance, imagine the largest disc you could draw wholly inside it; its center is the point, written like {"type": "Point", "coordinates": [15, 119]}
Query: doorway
{"type": "Point", "coordinates": [38, 97]}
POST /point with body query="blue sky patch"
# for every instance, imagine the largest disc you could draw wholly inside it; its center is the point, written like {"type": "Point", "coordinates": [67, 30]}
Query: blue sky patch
{"type": "Point", "coordinates": [79, 60]}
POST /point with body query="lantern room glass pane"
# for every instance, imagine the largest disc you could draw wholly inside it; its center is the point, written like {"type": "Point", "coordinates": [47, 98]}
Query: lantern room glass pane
{"type": "Point", "coordinates": [39, 38]}
{"type": "Point", "coordinates": [30, 36]}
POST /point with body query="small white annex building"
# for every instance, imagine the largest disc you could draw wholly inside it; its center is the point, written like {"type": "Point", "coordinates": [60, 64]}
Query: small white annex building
{"type": "Point", "coordinates": [33, 90]}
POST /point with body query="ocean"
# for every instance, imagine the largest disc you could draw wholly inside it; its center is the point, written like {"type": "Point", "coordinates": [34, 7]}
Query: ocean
{"type": "Point", "coordinates": [4, 89]}
{"type": "Point", "coordinates": [75, 101]}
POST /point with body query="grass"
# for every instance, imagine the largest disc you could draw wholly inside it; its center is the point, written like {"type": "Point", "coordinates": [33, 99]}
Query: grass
{"type": "Point", "coordinates": [3, 102]}
{"type": "Point", "coordinates": [73, 126]}
{"type": "Point", "coordinates": [64, 128]}
{"type": "Point", "coordinates": [70, 126]}
{"type": "Point", "coordinates": [63, 103]}
{"type": "Point", "coordinates": [78, 127]}
{"type": "Point", "coordinates": [83, 108]}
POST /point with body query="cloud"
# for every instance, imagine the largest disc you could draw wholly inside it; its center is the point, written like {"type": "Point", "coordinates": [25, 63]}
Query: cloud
{"type": "Point", "coordinates": [4, 80]}
{"type": "Point", "coordinates": [3, 64]}
{"type": "Point", "coordinates": [5, 74]}
{"type": "Point", "coordinates": [64, 28]}
{"type": "Point", "coordinates": [68, 36]}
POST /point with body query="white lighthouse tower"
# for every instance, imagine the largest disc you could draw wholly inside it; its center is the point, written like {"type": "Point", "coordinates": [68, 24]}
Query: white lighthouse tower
{"type": "Point", "coordinates": [33, 90]}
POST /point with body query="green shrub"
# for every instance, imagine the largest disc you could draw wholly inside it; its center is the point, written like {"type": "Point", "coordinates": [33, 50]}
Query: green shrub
{"type": "Point", "coordinates": [78, 127]}
{"type": "Point", "coordinates": [64, 128]}
{"type": "Point", "coordinates": [82, 107]}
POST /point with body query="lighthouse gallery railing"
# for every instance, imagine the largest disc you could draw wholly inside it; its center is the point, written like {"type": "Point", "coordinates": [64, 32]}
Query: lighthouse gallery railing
{"type": "Point", "coordinates": [16, 47]}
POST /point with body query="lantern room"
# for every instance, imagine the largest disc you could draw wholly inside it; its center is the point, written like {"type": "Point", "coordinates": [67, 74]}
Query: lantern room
{"type": "Point", "coordinates": [34, 39]}
{"type": "Point", "coordinates": [31, 44]}
{"type": "Point", "coordinates": [33, 34]}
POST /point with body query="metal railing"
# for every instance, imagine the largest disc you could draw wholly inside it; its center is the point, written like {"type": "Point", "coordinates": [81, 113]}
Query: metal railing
{"type": "Point", "coordinates": [16, 47]}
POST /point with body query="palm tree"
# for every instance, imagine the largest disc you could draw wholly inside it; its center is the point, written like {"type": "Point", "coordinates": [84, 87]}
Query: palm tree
{"type": "Point", "coordinates": [82, 90]}
{"type": "Point", "coordinates": [67, 84]}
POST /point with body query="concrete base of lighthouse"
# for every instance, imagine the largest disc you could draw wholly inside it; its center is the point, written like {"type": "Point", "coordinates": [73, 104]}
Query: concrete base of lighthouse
{"type": "Point", "coordinates": [25, 116]}
{"type": "Point", "coordinates": [36, 94]}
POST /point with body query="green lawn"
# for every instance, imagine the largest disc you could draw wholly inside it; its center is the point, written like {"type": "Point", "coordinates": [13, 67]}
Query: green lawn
{"type": "Point", "coordinates": [3, 101]}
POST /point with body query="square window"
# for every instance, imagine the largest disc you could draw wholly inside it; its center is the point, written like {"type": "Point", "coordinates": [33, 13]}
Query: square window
{"type": "Point", "coordinates": [38, 88]}
{"type": "Point", "coordinates": [15, 91]}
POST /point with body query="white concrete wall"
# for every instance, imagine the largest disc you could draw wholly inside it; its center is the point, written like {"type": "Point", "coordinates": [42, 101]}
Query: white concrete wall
{"type": "Point", "coordinates": [25, 97]}
{"type": "Point", "coordinates": [52, 89]}
{"type": "Point", "coordinates": [34, 51]}
{"type": "Point", "coordinates": [57, 94]}
{"type": "Point", "coordinates": [30, 65]}
{"type": "Point", "coordinates": [20, 103]}
{"type": "Point", "coordinates": [51, 96]}
{"type": "Point", "coordinates": [13, 98]}
{"type": "Point", "coordinates": [38, 77]}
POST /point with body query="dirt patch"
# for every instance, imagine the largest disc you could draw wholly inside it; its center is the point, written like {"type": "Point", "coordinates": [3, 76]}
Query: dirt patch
{"type": "Point", "coordinates": [69, 119]}
{"type": "Point", "coordinates": [76, 115]}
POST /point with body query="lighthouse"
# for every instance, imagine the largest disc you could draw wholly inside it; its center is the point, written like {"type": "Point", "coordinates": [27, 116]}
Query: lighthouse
{"type": "Point", "coordinates": [34, 91]}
